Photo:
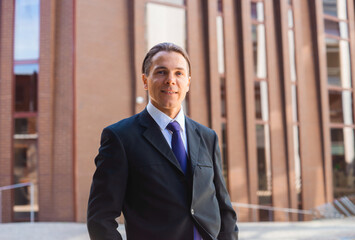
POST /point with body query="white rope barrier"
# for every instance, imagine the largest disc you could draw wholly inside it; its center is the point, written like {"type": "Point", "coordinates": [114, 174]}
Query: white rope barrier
{"type": "Point", "coordinates": [287, 210]}
{"type": "Point", "coordinates": [19, 185]}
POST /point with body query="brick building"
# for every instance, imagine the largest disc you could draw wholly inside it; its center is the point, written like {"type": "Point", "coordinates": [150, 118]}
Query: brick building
{"type": "Point", "coordinates": [272, 77]}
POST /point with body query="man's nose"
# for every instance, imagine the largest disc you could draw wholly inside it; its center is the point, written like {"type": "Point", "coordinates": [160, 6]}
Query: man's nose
{"type": "Point", "coordinates": [171, 79]}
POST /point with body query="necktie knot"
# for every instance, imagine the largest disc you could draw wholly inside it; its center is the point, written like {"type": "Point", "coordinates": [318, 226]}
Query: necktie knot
{"type": "Point", "coordinates": [174, 126]}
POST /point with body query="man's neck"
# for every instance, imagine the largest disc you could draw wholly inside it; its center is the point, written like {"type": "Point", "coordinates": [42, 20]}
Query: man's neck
{"type": "Point", "coordinates": [171, 113]}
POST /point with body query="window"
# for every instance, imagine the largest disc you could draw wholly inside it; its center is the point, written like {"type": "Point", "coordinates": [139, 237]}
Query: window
{"type": "Point", "coordinates": [343, 155]}
{"type": "Point", "coordinates": [294, 94]}
{"type": "Point", "coordinates": [26, 55]}
{"type": "Point", "coordinates": [175, 2]}
{"type": "Point", "coordinates": [340, 95]}
{"type": "Point", "coordinates": [222, 82]}
{"type": "Point", "coordinates": [166, 22]}
{"type": "Point", "coordinates": [26, 29]}
{"type": "Point", "coordinates": [264, 191]}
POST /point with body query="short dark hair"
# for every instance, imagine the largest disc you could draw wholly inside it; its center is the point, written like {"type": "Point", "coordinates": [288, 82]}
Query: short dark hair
{"type": "Point", "coordinates": [165, 46]}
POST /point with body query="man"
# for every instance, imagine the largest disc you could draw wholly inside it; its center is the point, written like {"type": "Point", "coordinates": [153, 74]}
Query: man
{"type": "Point", "coordinates": [160, 168]}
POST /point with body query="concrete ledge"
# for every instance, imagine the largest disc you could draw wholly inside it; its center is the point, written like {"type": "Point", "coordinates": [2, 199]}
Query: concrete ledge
{"type": "Point", "coordinates": [338, 229]}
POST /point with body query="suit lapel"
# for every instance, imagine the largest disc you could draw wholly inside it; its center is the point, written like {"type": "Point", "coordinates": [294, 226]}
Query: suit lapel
{"type": "Point", "coordinates": [193, 141]}
{"type": "Point", "coordinates": [154, 135]}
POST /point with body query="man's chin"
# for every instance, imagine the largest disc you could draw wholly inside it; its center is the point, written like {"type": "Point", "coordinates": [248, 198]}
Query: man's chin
{"type": "Point", "coordinates": [169, 109]}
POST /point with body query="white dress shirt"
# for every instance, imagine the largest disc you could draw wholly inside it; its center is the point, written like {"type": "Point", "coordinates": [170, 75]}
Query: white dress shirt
{"type": "Point", "coordinates": [163, 120]}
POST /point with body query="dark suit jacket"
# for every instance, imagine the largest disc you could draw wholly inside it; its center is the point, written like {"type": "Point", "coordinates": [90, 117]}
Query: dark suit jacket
{"type": "Point", "coordinates": [137, 173]}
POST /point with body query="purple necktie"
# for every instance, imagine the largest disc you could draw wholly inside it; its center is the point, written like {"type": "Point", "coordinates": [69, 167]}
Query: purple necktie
{"type": "Point", "coordinates": [177, 145]}
{"type": "Point", "coordinates": [180, 153]}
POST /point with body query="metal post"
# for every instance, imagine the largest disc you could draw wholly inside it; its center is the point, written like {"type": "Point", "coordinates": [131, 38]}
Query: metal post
{"type": "Point", "coordinates": [254, 215]}
{"type": "Point", "coordinates": [32, 216]}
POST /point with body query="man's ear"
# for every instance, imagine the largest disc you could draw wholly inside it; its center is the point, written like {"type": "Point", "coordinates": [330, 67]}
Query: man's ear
{"type": "Point", "coordinates": [145, 81]}
{"type": "Point", "coordinates": [188, 84]}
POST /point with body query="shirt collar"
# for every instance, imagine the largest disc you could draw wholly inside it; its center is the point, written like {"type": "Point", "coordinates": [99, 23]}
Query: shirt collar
{"type": "Point", "coordinates": [163, 120]}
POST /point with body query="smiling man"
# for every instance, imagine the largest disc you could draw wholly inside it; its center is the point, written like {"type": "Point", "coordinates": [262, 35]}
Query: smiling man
{"type": "Point", "coordinates": [159, 167]}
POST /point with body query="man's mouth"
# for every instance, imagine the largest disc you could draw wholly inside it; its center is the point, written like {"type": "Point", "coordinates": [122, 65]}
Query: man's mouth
{"type": "Point", "coordinates": [168, 91]}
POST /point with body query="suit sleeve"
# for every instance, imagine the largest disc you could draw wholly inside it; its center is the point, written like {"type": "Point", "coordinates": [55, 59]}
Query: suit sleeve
{"type": "Point", "coordinates": [108, 188]}
{"type": "Point", "coordinates": [229, 229]}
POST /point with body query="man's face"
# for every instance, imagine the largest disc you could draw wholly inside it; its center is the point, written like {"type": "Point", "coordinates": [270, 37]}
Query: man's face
{"type": "Point", "coordinates": [168, 82]}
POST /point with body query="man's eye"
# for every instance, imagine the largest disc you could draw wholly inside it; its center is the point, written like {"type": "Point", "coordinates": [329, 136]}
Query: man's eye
{"type": "Point", "coordinates": [179, 73]}
{"type": "Point", "coordinates": [161, 72]}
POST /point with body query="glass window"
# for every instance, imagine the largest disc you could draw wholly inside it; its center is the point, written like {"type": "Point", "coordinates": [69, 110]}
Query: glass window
{"type": "Point", "coordinates": [258, 38]}
{"type": "Point", "coordinates": [335, 107]}
{"type": "Point", "coordinates": [26, 29]}
{"type": "Point", "coordinates": [290, 18]}
{"type": "Point", "coordinates": [294, 103]}
{"type": "Point", "coordinates": [330, 7]}
{"type": "Point", "coordinates": [165, 24]}
{"type": "Point", "coordinates": [257, 11]}
{"type": "Point", "coordinates": [264, 101]}
{"type": "Point", "coordinates": [264, 163]}
{"type": "Point", "coordinates": [338, 29]}
{"type": "Point", "coordinates": [254, 14]}
{"type": "Point", "coordinates": [333, 62]}
{"type": "Point", "coordinates": [294, 94]}
{"type": "Point", "coordinates": [25, 90]}
{"type": "Point", "coordinates": [259, 49]}
{"type": "Point", "coordinates": [177, 2]}
{"type": "Point", "coordinates": [331, 27]}
{"type": "Point", "coordinates": [265, 215]}
{"type": "Point", "coordinates": [220, 44]}
{"type": "Point", "coordinates": [25, 165]}
{"type": "Point", "coordinates": [338, 63]}
{"type": "Point", "coordinates": [261, 101]}
{"type": "Point", "coordinates": [345, 63]}
{"type": "Point", "coordinates": [220, 6]}
{"type": "Point", "coordinates": [340, 107]}
{"type": "Point", "coordinates": [262, 157]}
{"type": "Point", "coordinates": [291, 47]}
{"type": "Point", "coordinates": [26, 49]}
{"type": "Point", "coordinates": [297, 158]}
{"type": "Point", "coordinates": [26, 125]}
{"type": "Point", "coordinates": [343, 161]}
{"type": "Point", "coordinates": [335, 8]}
{"type": "Point", "coordinates": [261, 109]}
{"type": "Point", "coordinates": [26, 69]}
{"type": "Point", "coordinates": [340, 99]}
{"type": "Point", "coordinates": [25, 170]}
{"type": "Point", "coordinates": [223, 96]}
{"type": "Point", "coordinates": [347, 101]}
{"type": "Point", "coordinates": [225, 152]}
{"type": "Point", "coordinates": [257, 101]}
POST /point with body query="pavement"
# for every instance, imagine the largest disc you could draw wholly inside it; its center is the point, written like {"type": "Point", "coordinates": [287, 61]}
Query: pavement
{"type": "Point", "coordinates": [336, 229]}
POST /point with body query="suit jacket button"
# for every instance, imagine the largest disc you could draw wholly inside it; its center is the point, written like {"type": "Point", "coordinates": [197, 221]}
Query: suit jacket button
{"type": "Point", "coordinates": [192, 212]}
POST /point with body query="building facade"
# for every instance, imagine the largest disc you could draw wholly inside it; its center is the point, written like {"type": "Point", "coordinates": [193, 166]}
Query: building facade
{"type": "Point", "coordinates": [273, 78]}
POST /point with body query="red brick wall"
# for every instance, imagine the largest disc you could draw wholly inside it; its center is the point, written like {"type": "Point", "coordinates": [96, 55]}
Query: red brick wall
{"type": "Point", "coordinates": [80, 94]}
{"type": "Point", "coordinates": [63, 162]}
{"type": "Point", "coordinates": [45, 110]}
{"type": "Point", "coordinates": [6, 104]}
{"type": "Point", "coordinates": [104, 83]}
{"type": "Point", "coordinates": [55, 121]}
